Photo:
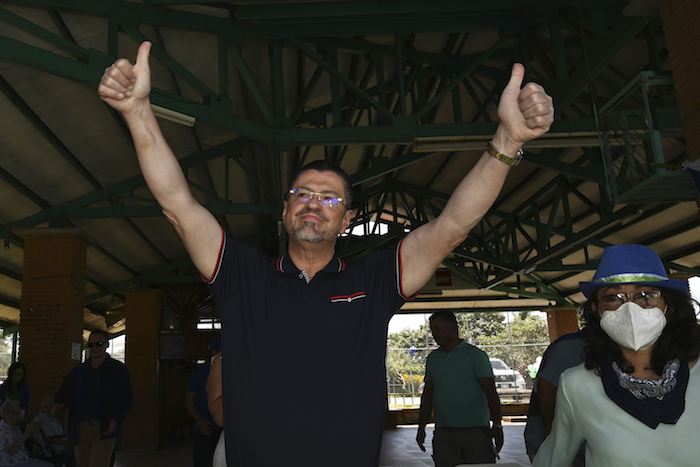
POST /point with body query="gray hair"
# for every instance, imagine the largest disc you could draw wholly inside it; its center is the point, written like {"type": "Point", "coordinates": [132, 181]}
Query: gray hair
{"type": "Point", "coordinates": [325, 166]}
{"type": "Point", "coordinates": [9, 406]}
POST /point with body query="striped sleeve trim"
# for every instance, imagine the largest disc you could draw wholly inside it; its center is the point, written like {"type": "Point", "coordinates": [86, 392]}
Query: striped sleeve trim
{"type": "Point", "coordinates": [217, 269]}
{"type": "Point", "coordinates": [399, 270]}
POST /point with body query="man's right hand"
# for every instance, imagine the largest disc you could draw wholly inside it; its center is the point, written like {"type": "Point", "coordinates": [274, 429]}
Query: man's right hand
{"type": "Point", "coordinates": [56, 408]}
{"type": "Point", "coordinates": [420, 438]}
{"type": "Point", "coordinates": [33, 426]}
{"type": "Point", "coordinates": [204, 426]}
{"type": "Point", "coordinates": [126, 87]}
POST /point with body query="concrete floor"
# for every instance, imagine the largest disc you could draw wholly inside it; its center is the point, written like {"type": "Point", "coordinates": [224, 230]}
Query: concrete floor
{"type": "Point", "coordinates": [399, 449]}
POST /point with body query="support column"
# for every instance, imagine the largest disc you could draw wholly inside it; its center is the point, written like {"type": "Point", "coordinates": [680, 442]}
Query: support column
{"type": "Point", "coordinates": [681, 23]}
{"type": "Point", "coordinates": [561, 321]}
{"type": "Point", "coordinates": [52, 307]}
{"type": "Point", "coordinates": [143, 310]}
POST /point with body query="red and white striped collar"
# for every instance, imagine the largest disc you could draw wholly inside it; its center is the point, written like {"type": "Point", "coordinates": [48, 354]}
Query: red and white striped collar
{"type": "Point", "coordinates": [286, 265]}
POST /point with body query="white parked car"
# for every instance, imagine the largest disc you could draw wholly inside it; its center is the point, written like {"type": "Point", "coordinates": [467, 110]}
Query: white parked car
{"type": "Point", "coordinates": [508, 381]}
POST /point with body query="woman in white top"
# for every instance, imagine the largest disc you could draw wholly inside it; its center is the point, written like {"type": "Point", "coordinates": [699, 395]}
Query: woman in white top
{"type": "Point", "coordinates": [636, 398]}
{"type": "Point", "coordinates": [216, 407]}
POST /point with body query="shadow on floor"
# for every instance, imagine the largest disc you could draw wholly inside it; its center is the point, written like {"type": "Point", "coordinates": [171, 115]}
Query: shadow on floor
{"type": "Point", "coordinates": [399, 449]}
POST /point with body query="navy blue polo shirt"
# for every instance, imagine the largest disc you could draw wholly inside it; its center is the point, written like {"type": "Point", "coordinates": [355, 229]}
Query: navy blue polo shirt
{"type": "Point", "coordinates": [303, 361]}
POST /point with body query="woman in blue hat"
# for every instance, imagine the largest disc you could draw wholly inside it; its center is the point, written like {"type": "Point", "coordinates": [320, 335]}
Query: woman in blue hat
{"type": "Point", "coordinates": [636, 399]}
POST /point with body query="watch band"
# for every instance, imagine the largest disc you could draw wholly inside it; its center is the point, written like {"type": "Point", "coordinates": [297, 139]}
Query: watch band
{"type": "Point", "coordinates": [512, 161]}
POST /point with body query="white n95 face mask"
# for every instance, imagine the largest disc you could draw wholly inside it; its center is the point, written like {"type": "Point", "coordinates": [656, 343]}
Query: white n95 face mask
{"type": "Point", "coordinates": [632, 326]}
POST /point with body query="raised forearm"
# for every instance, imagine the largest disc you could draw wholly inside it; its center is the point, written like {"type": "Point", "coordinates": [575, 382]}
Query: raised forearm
{"type": "Point", "coordinates": [524, 114]}
{"type": "Point", "coordinates": [126, 88]}
{"type": "Point", "coordinates": [199, 230]}
{"type": "Point", "coordinates": [158, 163]}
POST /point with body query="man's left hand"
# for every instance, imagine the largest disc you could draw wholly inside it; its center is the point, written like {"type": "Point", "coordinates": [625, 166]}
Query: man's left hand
{"type": "Point", "coordinates": [112, 427]}
{"type": "Point", "coordinates": [497, 435]}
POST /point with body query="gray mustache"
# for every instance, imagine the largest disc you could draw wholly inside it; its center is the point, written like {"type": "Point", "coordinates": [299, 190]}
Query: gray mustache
{"type": "Point", "coordinates": [308, 210]}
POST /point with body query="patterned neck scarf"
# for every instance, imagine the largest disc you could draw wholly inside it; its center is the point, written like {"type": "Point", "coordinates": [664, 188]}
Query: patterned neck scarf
{"type": "Point", "coordinates": [651, 401]}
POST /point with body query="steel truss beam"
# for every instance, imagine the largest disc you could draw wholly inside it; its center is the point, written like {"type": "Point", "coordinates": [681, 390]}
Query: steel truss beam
{"type": "Point", "coordinates": [388, 96]}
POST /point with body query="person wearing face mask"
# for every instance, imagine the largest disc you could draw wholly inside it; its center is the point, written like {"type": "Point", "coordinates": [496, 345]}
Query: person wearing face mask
{"type": "Point", "coordinates": [636, 398]}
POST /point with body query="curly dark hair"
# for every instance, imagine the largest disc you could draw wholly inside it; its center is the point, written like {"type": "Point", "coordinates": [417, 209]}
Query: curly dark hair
{"type": "Point", "coordinates": [679, 339]}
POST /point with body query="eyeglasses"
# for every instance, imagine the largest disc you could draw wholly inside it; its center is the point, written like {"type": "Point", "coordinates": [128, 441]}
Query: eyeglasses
{"type": "Point", "coordinates": [304, 195]}
{"type": "Point", "coordinates": [95, 344]}
{"type": "Point", "coordinates": [643, 298]}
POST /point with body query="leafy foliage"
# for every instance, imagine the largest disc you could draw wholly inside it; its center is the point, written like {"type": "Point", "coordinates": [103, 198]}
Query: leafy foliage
{"type": "Point", "coordinates": [518, 344]}
{"type": "Point", "coordinates": [5, 354]}
{"type": "Point", "coordinates": [527, 339]}
{"type": "Point", "coordinates": [406, 354]}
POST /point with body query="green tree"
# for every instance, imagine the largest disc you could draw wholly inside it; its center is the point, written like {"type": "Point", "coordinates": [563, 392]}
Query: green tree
{"type": "Point", "coordinates": [520, 343]}
{"type": "Point", "coordinates": [406, 354]}
{"type": "Point", "coordinates": [478, 327]}
{"type": "Point", "coordinates": [5, 353]}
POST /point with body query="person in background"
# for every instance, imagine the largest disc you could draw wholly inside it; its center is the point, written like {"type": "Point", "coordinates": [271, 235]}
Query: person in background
{"type": "Point", "coordinates": [216, 407]}
{"type": "Point", "coordinates": [15, 388]}
{"type": "Point", "coordinates": [206, 431]}
{"type": "Point", "coordinates": [636, 399]}
{"type": "Point", "coordinates": [13, 453]}
{"type": "Point", "coordinates": [99, 395]}
{"type": "Point", "coordinates": [562, 354]}
{"type": "Point", "coordinates": [54, 443]}
{"type": "Point", "coordinates": [338, 310]}
{"type": "Point", "coordinates": [459, 384]}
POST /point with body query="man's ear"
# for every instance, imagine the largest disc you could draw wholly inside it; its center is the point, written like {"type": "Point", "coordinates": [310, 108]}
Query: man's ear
{"type": "Point", "coordinates": [349, 214]}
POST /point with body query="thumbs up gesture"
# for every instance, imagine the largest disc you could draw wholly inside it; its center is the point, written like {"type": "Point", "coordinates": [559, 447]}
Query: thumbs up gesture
{"type": "Point", "coordinates": [524, 113]}
{"type": "Point", "coordinates": [126, 86]}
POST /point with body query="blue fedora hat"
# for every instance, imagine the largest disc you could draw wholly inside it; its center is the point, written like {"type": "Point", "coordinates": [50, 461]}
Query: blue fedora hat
{"type": "Point", "coordinates": [631, 264]}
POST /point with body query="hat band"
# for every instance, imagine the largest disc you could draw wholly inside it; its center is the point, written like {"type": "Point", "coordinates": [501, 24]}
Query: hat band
{"type": "Point", "coordinates": [629, 278]}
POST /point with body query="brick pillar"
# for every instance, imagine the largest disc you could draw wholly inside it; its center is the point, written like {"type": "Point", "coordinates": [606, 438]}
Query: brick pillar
{"type": "Point", "coordinates": [141, 427]}
{"type": "Point", "coordinates": [561, 321]}
{"type": "Point", "coordinates": [681, 23]}
{"type": "Point", "coordinates": [52, 307]}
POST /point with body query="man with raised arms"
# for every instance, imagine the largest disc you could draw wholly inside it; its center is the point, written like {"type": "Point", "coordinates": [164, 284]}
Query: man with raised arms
{"type": "Point", "coordinates": [305, 335]}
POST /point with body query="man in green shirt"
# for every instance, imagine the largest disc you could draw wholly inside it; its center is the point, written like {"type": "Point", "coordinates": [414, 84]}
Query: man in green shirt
{"type": "Point", "coordinates": [459, 385]}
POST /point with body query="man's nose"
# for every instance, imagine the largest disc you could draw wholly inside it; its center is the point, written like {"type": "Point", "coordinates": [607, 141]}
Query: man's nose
{"type": "Point", "coordinates": [315, 199]}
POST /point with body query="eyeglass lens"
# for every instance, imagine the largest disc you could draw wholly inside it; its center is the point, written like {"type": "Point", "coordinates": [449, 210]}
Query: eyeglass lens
{"type": "Point", "coordinates": [98, 344]}
{"type": "Point", "coordinates": [325, 200]}
{"type": "Point", "coordinates": [643, 298]}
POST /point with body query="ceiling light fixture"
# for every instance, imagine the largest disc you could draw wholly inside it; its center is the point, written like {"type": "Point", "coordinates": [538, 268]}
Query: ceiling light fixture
{"type": "Point", "coordinates": [173, 116]}
{"type": "Point", "coordinates": [478, 142]}
{"type": "Point", "coordinates": [632, 217]}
